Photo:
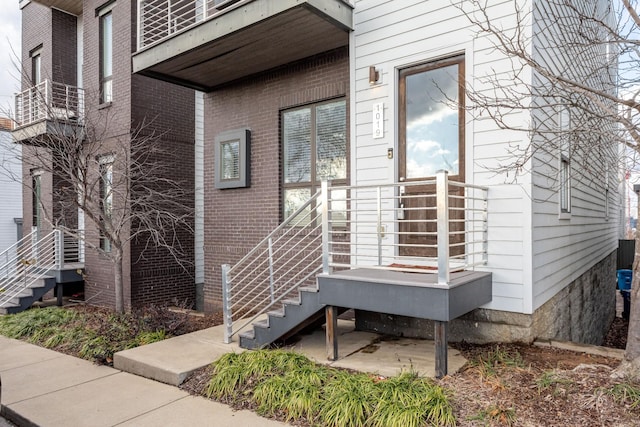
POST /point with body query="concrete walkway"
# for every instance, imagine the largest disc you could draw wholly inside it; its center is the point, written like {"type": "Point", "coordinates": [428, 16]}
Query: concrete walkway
{"type": "Point", "coordinates": [44, 388]}
{"type": "Point", "coordinates": [172, 360]}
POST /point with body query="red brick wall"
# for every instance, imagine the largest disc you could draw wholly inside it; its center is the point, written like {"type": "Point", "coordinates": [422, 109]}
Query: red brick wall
{"type": "Point", "coordinates": [237, 219]}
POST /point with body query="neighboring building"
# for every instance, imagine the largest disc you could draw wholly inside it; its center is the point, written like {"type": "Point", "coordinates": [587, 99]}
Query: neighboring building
{"type": "Point", "coordinates": [11, 200]}
{"type": "Point", "coordinates": [76, 57]}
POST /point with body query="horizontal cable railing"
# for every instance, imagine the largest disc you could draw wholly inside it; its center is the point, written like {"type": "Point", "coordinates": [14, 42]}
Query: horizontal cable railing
{"type": "Point", "coordinates": [33, 257]}
{"type": "Point", "coordinates": [436, 226]}
{"type": "Point", "coordinates": [288, 258]}
{"type": "Point", "coordinates": [33, 260]}
{"type": "Point", "coordinates": [49, 101]}
{"type": "Point", "coordinates": [159, 19]}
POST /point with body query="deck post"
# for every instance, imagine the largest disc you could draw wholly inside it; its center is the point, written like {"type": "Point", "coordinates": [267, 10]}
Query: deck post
{"type": "Point", "coordinates": [327, 259]}
{"type": "Point", "coordinates": [331, 313]}
{"type": "Point", "coordinates": [441, 330]}
{"type": "Point", "coordinates": [442, 209]}
{"type": "Point", "coordinates": [59, 294]}
{"type": "Point", "coordinates": [226, 304]}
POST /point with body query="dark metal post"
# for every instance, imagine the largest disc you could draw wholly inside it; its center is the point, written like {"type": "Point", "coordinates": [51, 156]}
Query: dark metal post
{"type": "Point", "coordinates": [441, 342]}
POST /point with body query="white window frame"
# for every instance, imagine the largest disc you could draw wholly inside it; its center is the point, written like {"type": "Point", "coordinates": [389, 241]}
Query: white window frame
{"type": "Point", "coordinates": [106, 82]}
{"type": "Point", "coordinates": [104, 161]}
{"type": "Point", "coordinates": [564, 164]}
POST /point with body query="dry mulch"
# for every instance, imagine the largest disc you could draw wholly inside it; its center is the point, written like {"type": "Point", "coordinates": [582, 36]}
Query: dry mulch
{"type": "Point", "coordinates": [574, 393]}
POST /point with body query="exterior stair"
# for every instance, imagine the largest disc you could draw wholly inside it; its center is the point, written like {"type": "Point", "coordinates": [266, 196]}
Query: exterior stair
{"type": "Point", "coordinates": [295, 315]}
{"type": "Point", "coordinates": [29, 295]}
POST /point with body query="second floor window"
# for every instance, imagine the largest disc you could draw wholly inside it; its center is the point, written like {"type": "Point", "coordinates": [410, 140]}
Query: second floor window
{"type": "Point", "coordinates": [106, 56]}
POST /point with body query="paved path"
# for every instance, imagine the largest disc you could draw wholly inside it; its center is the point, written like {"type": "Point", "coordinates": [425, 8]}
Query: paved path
{"type": "Point", "coordinates": [45, 388]}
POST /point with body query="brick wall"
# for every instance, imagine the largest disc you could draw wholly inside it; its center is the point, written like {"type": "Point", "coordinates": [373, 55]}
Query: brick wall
{"type": "Point", "coordinates": [237, 219]}
{"type": "Point", "coordinates": [160, 109]}
{"type": "Point", "coordinates": [36, 31]}
{"type": "Point", "coordinates": [64, 51]}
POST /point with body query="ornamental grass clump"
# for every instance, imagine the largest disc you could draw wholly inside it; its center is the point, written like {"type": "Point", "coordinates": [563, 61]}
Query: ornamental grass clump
{"type": "Point", "coordinates": [289, 386]}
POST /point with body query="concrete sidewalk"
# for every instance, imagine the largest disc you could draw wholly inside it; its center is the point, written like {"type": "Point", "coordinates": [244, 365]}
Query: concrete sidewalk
{"type": "Point", "coordinates": [45, 388]}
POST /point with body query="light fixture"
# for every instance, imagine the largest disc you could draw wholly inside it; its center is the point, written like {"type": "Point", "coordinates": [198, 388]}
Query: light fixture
{"type": "Point", "coordinates": [374, 75]}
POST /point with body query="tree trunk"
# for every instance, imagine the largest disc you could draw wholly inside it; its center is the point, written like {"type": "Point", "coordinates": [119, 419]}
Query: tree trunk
{"type": "Point", "coordinates": [119, 285]}
{"type": "Point", "coordinates": [630, 366]}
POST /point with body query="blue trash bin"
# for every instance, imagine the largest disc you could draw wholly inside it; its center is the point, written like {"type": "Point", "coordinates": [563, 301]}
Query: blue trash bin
{"type": "Point", "coordinates": [624, 284]}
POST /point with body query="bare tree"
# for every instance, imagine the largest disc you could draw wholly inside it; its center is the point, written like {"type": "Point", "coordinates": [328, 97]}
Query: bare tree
{"type": "Point", "coordinates": [573, 67]}
{"type": "Point", "coordinates": [122, 182]}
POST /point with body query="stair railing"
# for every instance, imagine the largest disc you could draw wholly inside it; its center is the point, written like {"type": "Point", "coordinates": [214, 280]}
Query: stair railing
{"type": "Point", "coordinates": [436, 226]}
{"type": "Point", "coordinates": [33, 259]}
{"type": "Point", "coordinates": [288, 258]}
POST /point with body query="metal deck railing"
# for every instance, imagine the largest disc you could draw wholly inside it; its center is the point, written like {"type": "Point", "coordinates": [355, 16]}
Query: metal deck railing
{"type": "Point", "coordinates": [49, 101]}
{"type": "Point", "coordinates": [160, 19]}
{"type": "Point", "coordinates": [437, 226]}
{"type": "Point", "coordinates": [34, 257]}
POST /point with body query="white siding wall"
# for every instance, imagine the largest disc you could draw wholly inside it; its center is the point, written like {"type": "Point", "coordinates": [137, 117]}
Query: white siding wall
{"type": "Point", "coordinates": [563, 249]}
{"type": "Point", "coordinates": [391, 35]}
{"type": "Point", "coordinates": [11, 193]}
{"type": "Point", "coordinates": [533, 253]}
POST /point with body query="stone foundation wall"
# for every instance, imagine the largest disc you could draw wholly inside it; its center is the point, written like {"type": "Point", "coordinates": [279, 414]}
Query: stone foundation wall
{"type": "Point", "coordinates": [581, 312]}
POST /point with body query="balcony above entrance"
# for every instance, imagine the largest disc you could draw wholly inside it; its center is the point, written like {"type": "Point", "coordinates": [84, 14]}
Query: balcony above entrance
{"type": "Point", "coordinates": [203, 44]}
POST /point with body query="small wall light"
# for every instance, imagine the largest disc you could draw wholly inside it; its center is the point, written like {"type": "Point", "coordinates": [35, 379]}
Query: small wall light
{"type": "Point", "coordinates": [374, 75]}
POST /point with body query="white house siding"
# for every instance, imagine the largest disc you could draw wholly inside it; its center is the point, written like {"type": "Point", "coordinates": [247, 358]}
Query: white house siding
{"type": "Point", "coordinates": [564, 249]}
{"type": "Point", "coordinates": [392, 35]}
{"type": "Point", "coordinates": [11, 194]}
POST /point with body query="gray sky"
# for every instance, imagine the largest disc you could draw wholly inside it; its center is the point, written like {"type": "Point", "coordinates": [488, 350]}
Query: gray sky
{"type": "Point", "coordinates": [9, 39]}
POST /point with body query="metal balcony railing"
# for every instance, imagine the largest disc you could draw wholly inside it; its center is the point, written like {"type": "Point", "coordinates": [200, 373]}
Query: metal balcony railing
{"type": "Point", "coordinates": [34, 257]}
{"type": "Point", "coordinates": [437, 226]}
{"type": "Point", "coordinates": [159, 19]}
{"type": "Point", "coordinates": [49, 101]}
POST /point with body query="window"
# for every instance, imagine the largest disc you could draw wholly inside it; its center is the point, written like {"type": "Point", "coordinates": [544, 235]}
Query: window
{"type": "Point", "coordinates": [106, 197]}
{"type": "Point", "coordinates": [314, 149]}
{"type": "Point", "coordinates": [36, 193]}
{"type": "Point", "coordinates": [106, 55]}
{"type": "Point", "coordinates": [36, 103]}
{"type": "Point", "coordinates": [564, 173]}
{"type": "Point", "coordinates": [232, 159]}
{"type": "Point", "coordinates": [36, 67]}
{"type": "Point", "coordinates": [606, 194]}
{"type": "Point", "coordinates": [431, 119]}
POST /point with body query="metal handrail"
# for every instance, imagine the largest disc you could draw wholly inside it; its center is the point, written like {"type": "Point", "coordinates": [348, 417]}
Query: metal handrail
{"type": "Point", "coordinates": [359, 227]}
{"type": "Point", "coordinates": [49, 101]}
{"type": "Point", "coordinates": [32, 262]}
{"type": "Point", "coordinates": [160, 19]}
{"type": "Point", "coordinates": [33, 258]}
{"type": "Point", "coordinates": [278, 254]}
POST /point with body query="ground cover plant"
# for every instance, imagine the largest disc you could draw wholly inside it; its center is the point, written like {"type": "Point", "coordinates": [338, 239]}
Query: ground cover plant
{"type": "Point", "coordinates": [287, 385]}
{"type": "Point", "coordinates": [95, 333]}
{"type": "Point", "coordinates": [501, 385]}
